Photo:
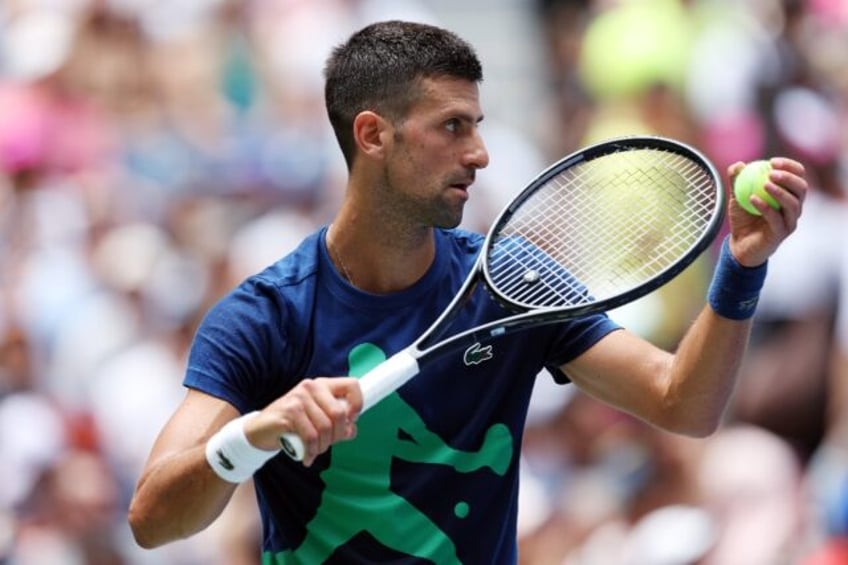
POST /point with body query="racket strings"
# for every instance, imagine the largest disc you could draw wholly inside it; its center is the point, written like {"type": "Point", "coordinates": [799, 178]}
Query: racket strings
{"type": "Point", "coordinates": [602, 227]}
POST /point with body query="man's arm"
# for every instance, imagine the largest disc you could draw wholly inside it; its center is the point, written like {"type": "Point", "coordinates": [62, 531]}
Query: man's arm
{"type": "Point", "coordinates": [687, 392]}
{"type": "Point", "coordinates": [178, 493]}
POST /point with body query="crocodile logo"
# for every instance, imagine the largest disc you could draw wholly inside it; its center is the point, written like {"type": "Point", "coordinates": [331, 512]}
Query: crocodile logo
{"type": "Point", "coordinates": [224, 461]}
{"type": "Point", "coordinates": [476, 354]}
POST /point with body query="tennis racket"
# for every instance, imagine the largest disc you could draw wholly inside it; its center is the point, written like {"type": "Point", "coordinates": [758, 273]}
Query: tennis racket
{"type": "Point", "coordinates": [600, 228]}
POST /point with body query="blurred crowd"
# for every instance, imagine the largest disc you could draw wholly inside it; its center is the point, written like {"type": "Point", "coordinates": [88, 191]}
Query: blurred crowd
{"type": "Point", "coordinates": [153, 154]}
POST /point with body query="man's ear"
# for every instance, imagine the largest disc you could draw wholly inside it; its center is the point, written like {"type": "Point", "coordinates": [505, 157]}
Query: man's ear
{"type": "Point", "coordinates": [371, 132]}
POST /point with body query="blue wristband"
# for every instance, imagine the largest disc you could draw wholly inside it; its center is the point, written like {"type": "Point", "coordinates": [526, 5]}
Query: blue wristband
{"type": "Point", "coordinates": [735, 289]}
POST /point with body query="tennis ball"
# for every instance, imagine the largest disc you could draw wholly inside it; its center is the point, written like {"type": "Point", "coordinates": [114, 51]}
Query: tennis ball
{"type": "Point", "coordinates": [751, 181]}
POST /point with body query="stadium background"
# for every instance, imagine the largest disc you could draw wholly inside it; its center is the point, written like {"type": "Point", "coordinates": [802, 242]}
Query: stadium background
{"type": "Point", "coordinates": [152, 154]}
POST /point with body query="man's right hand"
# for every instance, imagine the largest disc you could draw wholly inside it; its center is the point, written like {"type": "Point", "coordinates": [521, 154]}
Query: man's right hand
{"type": "Point", "coordinates": [322, 411]}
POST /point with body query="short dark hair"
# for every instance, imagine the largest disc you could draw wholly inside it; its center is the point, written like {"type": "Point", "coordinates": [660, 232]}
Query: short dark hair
{"type": "Point", "coordinates": [379, 67]}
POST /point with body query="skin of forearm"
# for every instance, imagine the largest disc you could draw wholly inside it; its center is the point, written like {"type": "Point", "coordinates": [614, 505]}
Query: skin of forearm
{"type": "Point", "coordinates": [178, 497]}
{"type": "Point", "coordinates": [702, 374]}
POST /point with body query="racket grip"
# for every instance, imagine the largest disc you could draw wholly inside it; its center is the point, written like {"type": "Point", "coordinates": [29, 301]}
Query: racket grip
{"type": "Point", "coordinates": [387, 377]}
{"type": "Point", "coordinates": [376, 384]}
{"type": "Point", "coordinates": [293, 446]}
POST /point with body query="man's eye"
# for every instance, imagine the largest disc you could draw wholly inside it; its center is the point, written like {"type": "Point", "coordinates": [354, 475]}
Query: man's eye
{"type": "Point", "coordinates": [452, 126]}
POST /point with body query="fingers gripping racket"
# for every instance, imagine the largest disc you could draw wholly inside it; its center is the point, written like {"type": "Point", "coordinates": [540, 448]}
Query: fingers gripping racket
{"type": "Point", "coordinates": [598, 229]}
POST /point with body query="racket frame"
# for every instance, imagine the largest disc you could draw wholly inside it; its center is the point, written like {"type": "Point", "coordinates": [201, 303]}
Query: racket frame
{"type": "Point", "coordinates": [587, 154]}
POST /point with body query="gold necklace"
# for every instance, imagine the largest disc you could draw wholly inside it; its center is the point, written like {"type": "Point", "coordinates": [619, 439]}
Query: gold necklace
{"type": "Point", "coordinates": [337, 258]}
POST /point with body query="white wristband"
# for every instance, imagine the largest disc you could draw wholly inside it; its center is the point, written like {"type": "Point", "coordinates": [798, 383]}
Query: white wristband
{"type": "Point", "coordinates": [231, 456]}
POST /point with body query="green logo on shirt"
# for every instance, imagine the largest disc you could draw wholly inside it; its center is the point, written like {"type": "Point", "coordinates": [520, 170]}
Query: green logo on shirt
{"type": "Point", "coordinates": [358, 497]}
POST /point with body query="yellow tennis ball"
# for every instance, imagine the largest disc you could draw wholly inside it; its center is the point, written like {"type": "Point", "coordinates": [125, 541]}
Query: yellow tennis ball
{"type": "Point", "coordinates": [751, 181]}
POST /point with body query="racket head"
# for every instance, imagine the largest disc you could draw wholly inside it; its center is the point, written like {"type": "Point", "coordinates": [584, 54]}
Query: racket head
{"type": "Point", "coordinates": [604, 226]}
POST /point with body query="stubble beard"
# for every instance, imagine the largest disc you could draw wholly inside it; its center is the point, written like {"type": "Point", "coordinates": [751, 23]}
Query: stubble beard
{"type": "Point", "coordinates": [434, 209]}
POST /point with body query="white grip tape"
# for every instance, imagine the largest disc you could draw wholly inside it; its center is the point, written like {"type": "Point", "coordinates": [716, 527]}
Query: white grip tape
{"type": "Point", "coordinates": [376, 384]}
{"type": "Point", "coordinates": [293, 446]}
{"type": "Point", "coordinates": [387, 377]}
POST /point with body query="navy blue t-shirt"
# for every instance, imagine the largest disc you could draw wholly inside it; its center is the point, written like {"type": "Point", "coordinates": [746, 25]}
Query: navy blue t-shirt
{"type": "Point", "coordinates": [432, 476]}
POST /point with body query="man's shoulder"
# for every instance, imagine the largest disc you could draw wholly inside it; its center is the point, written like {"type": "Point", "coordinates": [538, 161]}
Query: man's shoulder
{"type": "Point", "coordinates": [296, 267]}
{"type": "Point", "coordinates": [288, 283]}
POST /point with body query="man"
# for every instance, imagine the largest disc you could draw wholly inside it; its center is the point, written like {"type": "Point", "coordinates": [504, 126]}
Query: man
{"type": "Point", "coordinates": [433, 472]}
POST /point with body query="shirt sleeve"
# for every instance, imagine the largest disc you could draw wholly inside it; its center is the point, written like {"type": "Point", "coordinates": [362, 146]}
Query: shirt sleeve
{"type": "Point", "coordinates": [575, 338]}
{"type": "Point", "coordinates": [242, 348]}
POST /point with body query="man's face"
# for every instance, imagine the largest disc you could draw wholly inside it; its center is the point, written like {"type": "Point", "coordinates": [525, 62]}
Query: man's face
{"type": "Point", "coordinates": [436, 152]}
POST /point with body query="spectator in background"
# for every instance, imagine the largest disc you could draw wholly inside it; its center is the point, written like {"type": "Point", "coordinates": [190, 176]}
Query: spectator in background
{"type": "Point", "coordinates": [788, 63]}
{"type": "Point", "coordinates": [828, 473]}
{"type": "Point", "coordinates": [785, 380]}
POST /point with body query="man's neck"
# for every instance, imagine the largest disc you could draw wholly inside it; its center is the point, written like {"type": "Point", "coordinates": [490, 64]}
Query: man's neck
{"type": "Point", "coordinates": [376, 258]}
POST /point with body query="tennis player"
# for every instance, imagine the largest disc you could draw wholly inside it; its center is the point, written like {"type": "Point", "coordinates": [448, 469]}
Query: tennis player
{"type": "Point", "coordinates": [430, 474]}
